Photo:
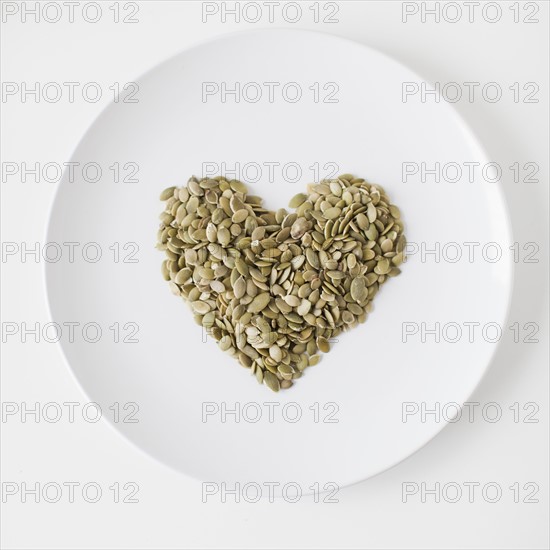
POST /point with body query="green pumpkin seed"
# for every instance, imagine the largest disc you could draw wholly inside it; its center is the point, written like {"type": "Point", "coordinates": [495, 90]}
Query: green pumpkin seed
{"type": "Point", "coordinates": [259, 302]}
{"type": "Point", "coordinates": [323, 344]}
{"type": "Point", "coordinates": [332, 213]}
{"type": "Point", "coordinates": [382, 267]}
{"type": "Point", "coordinates": [371, 212]}
{"type": "Point", "coordinates": [314, 359]}
{"type": "Point", "coordinates": [297, 200]}
{"type": "Point", "coordinates": [200, 307]}
{"type": "Point", "coordinates": [240, 215]}
{"type": "Point", "coordinates": [271, 381]}
{"type": "Point", "coordinates": [238, 186]}
{"type": "Point", "coordinates": [167, 193]}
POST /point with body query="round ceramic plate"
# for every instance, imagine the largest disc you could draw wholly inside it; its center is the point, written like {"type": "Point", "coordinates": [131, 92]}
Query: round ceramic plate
{"type": "Point", "coordinates": [277, 109]}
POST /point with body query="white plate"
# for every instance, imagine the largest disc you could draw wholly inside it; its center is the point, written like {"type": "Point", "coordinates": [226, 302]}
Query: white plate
{"type": "Point", "coordinates": [370, 372]}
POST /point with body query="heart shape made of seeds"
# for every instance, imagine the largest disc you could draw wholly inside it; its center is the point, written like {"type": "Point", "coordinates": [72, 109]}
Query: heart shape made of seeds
{"type": "Point", "coordinates": [273, 288]}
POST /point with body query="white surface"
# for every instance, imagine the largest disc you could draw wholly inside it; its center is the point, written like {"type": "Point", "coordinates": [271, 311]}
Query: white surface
{"type": "Point", "coordinates": [170, 513]}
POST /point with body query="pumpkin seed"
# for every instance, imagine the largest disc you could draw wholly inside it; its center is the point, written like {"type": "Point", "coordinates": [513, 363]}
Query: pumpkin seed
{"type": "Point", "coordinates": [259, 302]}
{"type": "Point", "coordinates": [271, 381]}
{"type": "Point", "coordinates": [239, 216]}
{"type": "Point", "coordinates": [201, 307]}
{"type": "Point", "coordinates": [238, 186]}
{"type": "Point", "coordinates": [332, 213]}
{"type": "Point", "coordinates": [239, 288]}
{"type": "Point", "coordinates": [314, 359]}
{"type": "Point", "coordinates": [167, 193]}
{"type": "Point", "coordinates": [371, 212]}
{"type": "Point", "coordinates": [294, 202]}
{"type": "Point", "coordinates": [323, 344]}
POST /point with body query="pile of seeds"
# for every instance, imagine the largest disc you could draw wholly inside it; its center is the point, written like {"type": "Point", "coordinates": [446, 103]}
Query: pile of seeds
{"type": "Point", "coordinates": [273, 288]}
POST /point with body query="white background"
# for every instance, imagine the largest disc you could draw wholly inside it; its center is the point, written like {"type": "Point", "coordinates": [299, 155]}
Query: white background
{"type": "Point", "coordinates": [170, 512]}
